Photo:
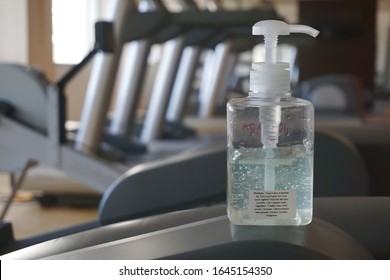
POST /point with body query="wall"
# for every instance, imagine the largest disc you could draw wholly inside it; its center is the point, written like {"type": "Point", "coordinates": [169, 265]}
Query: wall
{"type": "Point", "coordinates": [13, 31]}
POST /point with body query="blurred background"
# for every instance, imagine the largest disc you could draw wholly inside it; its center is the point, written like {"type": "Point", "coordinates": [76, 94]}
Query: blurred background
{"type": "Point", "coordinates": [345, 72]}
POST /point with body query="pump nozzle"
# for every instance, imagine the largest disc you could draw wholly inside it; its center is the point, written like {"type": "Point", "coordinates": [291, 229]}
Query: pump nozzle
{"type": "Point", "coordinates": [271, 29]}
{"type": "Point", "coordinates": [277, 27]}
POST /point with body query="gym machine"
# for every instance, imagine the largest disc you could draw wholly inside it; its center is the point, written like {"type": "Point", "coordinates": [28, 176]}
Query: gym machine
{"type": "Point", "coordinates": [206, 233]}
{"type": "Point", "coordinates": [33, 122]}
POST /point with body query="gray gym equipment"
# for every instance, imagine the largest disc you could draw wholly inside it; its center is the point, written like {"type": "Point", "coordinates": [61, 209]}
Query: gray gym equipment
{"type": "Point", "coordinates": [339, 169]}
{"type": "Point", "coordinates": [90, 135]}
{"type": "Point", "coordinates": [221, 65]}
{"type": "Point", "coordinates": [21, 137]}
{"type": "Point", "coordinates": [162, 87]}
{"type": "Point", "coordinates": [184, 78]}
{"type": "Point", "coordinates": [182, 84]}
{"type": "Point", "coordinates": [101, 82]}
{"type": "Point", "coordinates": [42, 138]}
{"type": "Point", "coordinates": [205, 233]}
{"type": "Point", "coordinates": [218, 67]}
{"type": "Point", "coordinates": [190, 179]}
{"type": "Point", "coordinates": [134, 61]}
{"type": "Point", "coordinates": [33, 129]}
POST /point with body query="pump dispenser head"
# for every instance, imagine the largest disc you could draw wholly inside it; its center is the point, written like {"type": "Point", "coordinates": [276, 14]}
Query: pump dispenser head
{"type": "Point", "coordinates": [271, 29]}
{"type": "Point", "coordinates": [273, 77]}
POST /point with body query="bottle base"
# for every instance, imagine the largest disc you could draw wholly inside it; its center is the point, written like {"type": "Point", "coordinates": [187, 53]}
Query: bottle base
{"type": "Point", "coordinates": [303, 217]}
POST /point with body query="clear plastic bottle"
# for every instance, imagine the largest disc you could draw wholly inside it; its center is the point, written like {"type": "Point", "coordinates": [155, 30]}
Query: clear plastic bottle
{"type": "Point", "coordinates": [270, 143]}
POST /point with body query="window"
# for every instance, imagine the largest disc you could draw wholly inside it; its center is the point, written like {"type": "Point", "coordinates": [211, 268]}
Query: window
{"type": "Point", "coordinates": [73, 28]}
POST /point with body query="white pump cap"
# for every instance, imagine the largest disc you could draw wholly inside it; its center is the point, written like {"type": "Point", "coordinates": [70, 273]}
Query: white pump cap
{"type": "Point", "coordinates": [273, 77]}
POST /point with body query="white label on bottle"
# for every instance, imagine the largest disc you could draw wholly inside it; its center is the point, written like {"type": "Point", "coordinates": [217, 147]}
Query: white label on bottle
{"type": "Point", "coordinates": [272, 204]}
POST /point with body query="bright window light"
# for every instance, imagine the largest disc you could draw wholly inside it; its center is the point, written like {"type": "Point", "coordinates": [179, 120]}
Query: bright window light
{"type": "Point", "coordinates": [73, 30]}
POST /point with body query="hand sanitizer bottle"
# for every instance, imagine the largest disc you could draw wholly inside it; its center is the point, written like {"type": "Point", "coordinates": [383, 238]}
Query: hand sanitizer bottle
{"type": "Point", "coordinates": [270, 142]}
